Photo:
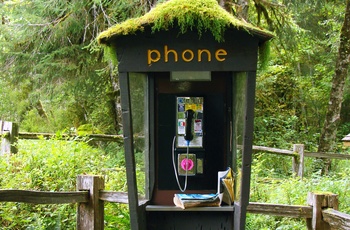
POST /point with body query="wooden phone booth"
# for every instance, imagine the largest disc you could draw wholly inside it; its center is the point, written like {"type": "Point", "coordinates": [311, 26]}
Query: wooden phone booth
{"type": "Point", "coordinates": [190, 95]}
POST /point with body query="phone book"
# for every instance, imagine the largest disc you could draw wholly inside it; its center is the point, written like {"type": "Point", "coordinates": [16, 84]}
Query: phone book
{"type": "Point", "coordinates": [226, 186]}
{"type": "Point", "coordinates": [196, 200]}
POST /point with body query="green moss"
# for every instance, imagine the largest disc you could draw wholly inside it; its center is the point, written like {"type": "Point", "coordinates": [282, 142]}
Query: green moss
{"type": "Point", "coordinates": [264, 54]}
{"type": "Point", "coordinates": [110, 54]}
{"type": "Point", "coordinates": [199, 15]}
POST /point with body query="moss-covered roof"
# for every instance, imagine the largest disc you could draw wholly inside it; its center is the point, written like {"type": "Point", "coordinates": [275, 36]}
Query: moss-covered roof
{"type": "Point", "coordinates": [199, 15]}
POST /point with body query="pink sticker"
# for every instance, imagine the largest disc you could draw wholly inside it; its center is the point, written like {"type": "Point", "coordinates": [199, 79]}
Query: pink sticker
{"type": "Point", "coordinates": [187, 164]}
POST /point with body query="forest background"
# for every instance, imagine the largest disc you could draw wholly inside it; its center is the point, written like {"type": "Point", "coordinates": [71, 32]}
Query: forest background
{"type": "Point", "coordinates": [54, 78]}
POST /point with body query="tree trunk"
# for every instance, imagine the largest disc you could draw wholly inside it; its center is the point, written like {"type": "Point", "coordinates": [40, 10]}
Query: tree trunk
{"type": "Point", "coordinates": [40, 108]}
{"type": "Point", "coordinates": [329, 131]}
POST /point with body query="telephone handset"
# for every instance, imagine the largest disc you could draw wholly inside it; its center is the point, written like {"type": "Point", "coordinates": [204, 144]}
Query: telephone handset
{"type": "Point", "coordinates": [189, 114]}
{"type": "Point", "coordinates": [189, 134]}
{"type": "Point", "coordinates": [189, 122]}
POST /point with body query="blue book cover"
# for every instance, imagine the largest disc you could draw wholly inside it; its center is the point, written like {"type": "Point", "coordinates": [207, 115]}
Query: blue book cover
{"type": "Point", "coordinates": [195, 196]}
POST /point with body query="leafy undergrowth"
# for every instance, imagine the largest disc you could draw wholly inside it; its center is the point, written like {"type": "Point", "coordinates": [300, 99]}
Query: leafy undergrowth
{"type": "Point", "coordinates": [269, 187]}
{"type": "Point", "coordinates": [53, 165]}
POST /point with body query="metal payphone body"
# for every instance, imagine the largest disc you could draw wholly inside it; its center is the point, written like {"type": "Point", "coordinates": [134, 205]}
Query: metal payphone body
{"type": "Point", "coordinates": [208, 150]}
{"type": "Point", "coordinates": [189, 133]}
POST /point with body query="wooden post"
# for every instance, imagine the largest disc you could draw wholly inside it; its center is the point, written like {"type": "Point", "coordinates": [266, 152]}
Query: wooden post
{"type": "Point", "coordinates": [320, 201]}
{"type": "Point", "coordinates": [9, 137]}
{"type": "Point", "coordinates": [90, 215]}
{"type": "Point", "coordinates": [298, 161]}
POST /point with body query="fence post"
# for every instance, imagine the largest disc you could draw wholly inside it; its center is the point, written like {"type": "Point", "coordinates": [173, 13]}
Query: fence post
{"type": "Point", "coordinates": [91, 215]}
{"type": "Point", "coordinates": [320, 201]}
{"type": "Point", "coordinates": [9, 137]}
{"type": "Point", "coordinates": [298, 161]}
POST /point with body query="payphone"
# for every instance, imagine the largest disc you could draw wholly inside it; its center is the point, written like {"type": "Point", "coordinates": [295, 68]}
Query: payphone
{"type": "Point", "coordinates": [189, 133]}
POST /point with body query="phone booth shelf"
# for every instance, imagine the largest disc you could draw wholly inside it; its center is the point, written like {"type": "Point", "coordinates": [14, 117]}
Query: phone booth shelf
{"type": "Point", "coordinates": [187, 74]}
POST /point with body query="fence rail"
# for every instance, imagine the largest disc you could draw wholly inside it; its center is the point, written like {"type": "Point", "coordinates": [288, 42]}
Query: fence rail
{"type": "Point", "coordinates": [336, 219]}
{"type": "Point", "coordinates": [292, 153]}
{"type": "Point", "coordinates": [94, 137]}
{"type": "Point", "coordinates": [276, 151]}
{"type": "Point", "coordinates": [9, 135]}
{"type": "Point", "coordinates": [38, 197]}
{"type": "Point", "coordinates": [297, 211]}
{"type": "Point", "coordinates": [298, 154]}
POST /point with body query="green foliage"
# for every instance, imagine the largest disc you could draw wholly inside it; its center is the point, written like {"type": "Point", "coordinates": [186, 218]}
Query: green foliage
{"type": "Point", "coordinates": [270, 187]}
{"type": "Point", "coordinates": [120, 218]}
{"type": "Point", "coordinates": [264, 222]}
{"type": "Point", "coordinates": [46, 57]}
{"type": "Point", "coordinates": [293, 90]}
{"type": "Point", "coordinates": [53, 165]}
{"type": "Point", "coordinates": [281, 118]}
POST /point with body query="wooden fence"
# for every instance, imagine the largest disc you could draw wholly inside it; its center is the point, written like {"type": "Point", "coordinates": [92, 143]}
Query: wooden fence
{"type": "Point", "coordinates": [10, 134]}
{"type": "Point", "coordinates": [321, 212]}
{"type": "Point", "coordinates": [90, 199]}
{"type": "Point", "coordinates": [298, 154]}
